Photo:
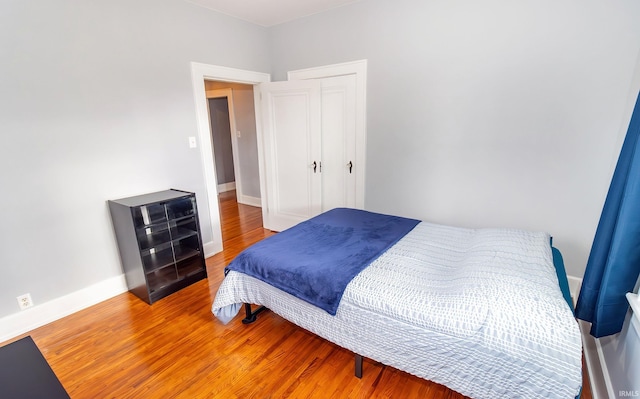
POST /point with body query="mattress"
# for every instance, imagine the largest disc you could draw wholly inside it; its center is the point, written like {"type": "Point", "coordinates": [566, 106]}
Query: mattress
{"type": "Point", "coordinates": [477, 310]}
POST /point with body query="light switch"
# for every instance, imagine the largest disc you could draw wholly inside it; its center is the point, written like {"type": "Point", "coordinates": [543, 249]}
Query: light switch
{"type": "Point", "coordinates": [192, 142]}
{"type": "Point", "coordinates": [238, 133]}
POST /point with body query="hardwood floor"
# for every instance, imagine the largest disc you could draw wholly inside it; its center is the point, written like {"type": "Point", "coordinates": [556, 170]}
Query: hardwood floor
{"type": "Point", "coordinates": [124, 348]}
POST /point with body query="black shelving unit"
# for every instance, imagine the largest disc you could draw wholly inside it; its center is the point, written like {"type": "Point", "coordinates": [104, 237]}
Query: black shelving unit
{"type": "Point", "coordinates": [159, 241]}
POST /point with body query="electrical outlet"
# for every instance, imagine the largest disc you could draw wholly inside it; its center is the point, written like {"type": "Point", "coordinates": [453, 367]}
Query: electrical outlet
{"type": "Point", "coordinates": [24, 301]}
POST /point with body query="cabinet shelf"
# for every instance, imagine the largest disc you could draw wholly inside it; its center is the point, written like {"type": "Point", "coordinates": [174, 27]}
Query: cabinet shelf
{"type": "Point", "coordinates": [159, 241]}
{"type": "Point", "coordinates": [154, 243]}
{"type": "Point", "coordinates": [158, 260]}
{"type": "Point", "coordinates": [182, 233]}
{"type": "Point", "coordinates": [162, 224]}
{"type": "Point", "coordinates": [161, 278]}
{"type": "Point", "coordinates": [186, 254]}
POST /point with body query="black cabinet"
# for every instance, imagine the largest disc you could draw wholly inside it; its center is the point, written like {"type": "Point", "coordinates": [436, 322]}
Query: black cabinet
{"type": "Point", "coordinates": [159, 240]}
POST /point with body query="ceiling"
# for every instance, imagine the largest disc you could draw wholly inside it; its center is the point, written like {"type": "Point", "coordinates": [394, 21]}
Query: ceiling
{"type": "Point", "coordinates": [270, 12]}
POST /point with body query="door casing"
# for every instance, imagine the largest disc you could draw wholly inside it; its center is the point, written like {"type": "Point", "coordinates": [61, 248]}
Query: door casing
{"type": "Point", "coordinates": [201, 72]}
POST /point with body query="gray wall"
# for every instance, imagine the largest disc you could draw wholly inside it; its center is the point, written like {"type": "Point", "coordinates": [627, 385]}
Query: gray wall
{"type": "Point", "coordinates": [493, 113]}
{"type": "Point", "coordinates": [97, 103]}
{"type": "Point", "coordinates": [221, 137]}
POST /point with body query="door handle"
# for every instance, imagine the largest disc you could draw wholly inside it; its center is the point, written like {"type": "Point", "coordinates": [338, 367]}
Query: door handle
{"type": "Point", "coordinates": [350, 165]}
{"type": "Point", "coordinates": [315, 165]}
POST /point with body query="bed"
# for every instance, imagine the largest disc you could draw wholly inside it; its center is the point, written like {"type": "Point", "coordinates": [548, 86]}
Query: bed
{"type": "Point", "coordinates": [485, 312]}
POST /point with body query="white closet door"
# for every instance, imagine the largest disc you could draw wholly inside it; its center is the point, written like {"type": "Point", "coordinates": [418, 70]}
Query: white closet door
{"type": "Point", "coordinates": [292, 152]}
{"type": "Point", "coordinates": [338, 142]}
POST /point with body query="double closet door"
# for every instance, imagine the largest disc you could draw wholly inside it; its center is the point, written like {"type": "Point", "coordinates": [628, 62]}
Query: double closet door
{"type": "Point", "coordinates": [310, 142]}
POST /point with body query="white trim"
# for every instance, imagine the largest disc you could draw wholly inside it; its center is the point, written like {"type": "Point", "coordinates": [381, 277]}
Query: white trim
{"type": "Point", "coordinates": [594, 361]}
{"type": "Point", "coordinates": [251, 201]}
{"type": "Point", "coordinates": [224, 187]}
{"type": "Point", "coordinates": [200, 73]}
{"type": "Point", "coordinates": [634, 302]}
{"type": "Point", "coordinates": [358, 68]}
{"type": "Point", "coordinates": [599, 375]}
{"type": "Point", "coordinates": [210, 249]}
{"type": "Point", "coordinates": [605, 371]}
{"type": "Point", "coordinates": [345, 68]}
{"type": "Point", "coordinates": [39, 315]}
{"type": "Point", "coordinates": [257, 100]}
{"type": "Point", "coordinates": [574, 288]}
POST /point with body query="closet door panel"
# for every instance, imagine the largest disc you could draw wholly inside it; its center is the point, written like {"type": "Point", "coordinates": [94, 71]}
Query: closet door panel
{"type": "Point", "coordinates": [338, 142]}
{"type": "Point", "coordinates": [291, 122]}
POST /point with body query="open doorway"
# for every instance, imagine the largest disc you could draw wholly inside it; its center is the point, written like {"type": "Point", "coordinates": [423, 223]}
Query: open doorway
{"type": "Point", "coordinates": [235, 154]}
{"type": "Point", "coordinates": [234, 133]}
{"type": "Point", "coordinates": [200, 73]}
{"type": "Point", "coordinates": [224, 148]}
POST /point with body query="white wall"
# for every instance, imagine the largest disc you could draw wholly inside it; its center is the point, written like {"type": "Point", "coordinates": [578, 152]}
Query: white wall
{"type": "Point", "coordinates": [493, 113]}
{"type": "Point", "coordinates": [97, 104]}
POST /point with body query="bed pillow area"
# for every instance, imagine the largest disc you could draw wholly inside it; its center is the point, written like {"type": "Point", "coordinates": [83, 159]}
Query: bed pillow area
{"type": "Point", "coordinates": [454, 280]}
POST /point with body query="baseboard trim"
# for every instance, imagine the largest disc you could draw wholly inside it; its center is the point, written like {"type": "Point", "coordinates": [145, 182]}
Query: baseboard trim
{"type": "Point", "coordinates": [211, 248]}
{"type": "Point", "coordinates": [251, 201]}
{"type": "Point", "coordinates": [39, 315]}
{"type": "Point", "coordinates": [224, 187]}
{"type": "Point", "coordinates": [592, 361]}
{"type": "Point", "coordinates": [606, 377]}
{"type": "Point", "coordinates": [574, 287]}
{"type": "Point", "coordinates": [599, 377]}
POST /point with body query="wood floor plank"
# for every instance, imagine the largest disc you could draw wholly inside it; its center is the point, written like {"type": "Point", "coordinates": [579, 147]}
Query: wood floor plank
{"type": "Point", "coordinates": [175, 348]}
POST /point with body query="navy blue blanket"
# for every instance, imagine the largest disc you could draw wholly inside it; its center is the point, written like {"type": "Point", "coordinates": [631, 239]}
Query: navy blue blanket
{"type": "Point", "coordinates": [316, 259]}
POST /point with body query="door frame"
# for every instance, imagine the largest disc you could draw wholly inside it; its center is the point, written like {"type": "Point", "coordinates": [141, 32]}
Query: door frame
{"type": "Point", "coordinates": [359, 69]}
{"type": "Point", "coordinates": [199, 73]}
{"type": "Point", "coordinates": [235, 154]}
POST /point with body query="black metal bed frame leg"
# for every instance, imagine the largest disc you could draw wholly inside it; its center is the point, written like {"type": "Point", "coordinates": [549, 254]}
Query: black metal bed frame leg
{"type": "Point", "coordinates": [250, 316]}
{"type": "Point", "coordinates": [358, 366]}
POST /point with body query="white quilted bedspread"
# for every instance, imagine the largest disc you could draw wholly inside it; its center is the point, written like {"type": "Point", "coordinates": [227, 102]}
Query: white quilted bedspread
{"type": "Point", "coordinates": [478, 310]}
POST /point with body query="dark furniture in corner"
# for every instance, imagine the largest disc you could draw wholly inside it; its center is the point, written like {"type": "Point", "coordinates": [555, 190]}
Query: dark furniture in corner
{"type": "Point", "coordinates": [159, 241]}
